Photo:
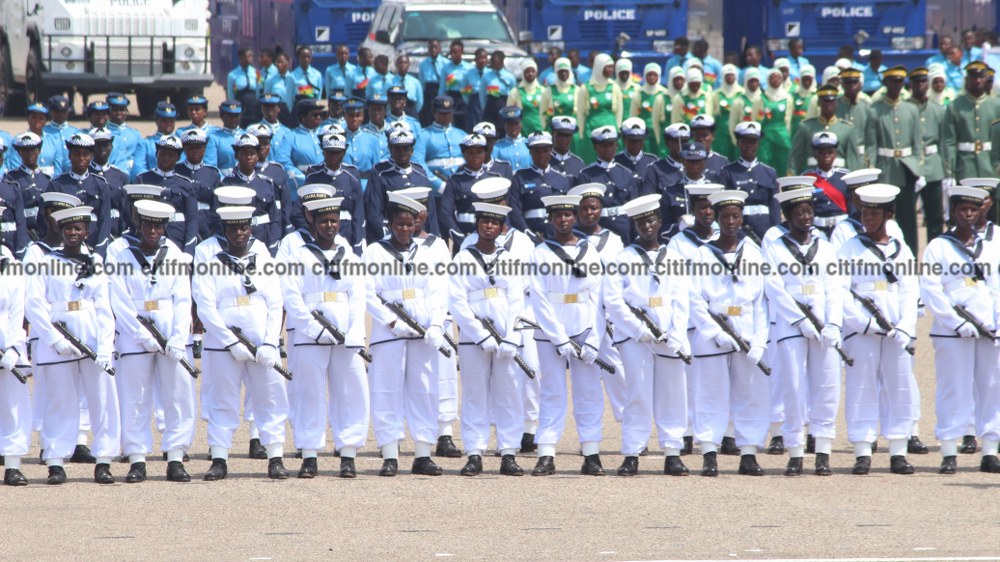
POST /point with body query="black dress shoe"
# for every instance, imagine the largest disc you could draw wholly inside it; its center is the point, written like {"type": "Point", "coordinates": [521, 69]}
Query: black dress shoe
{"type": "Point", "coordinates": [794, 467]}
{"type": "Point", "coordinates": [257, 450]}
{"type": "Point", "coordinates": [185, 459]}
{"type": "Point", "coordinates": [136, 473]}
{"type": "Point", "coordinates": [990, 463]}
{"type": "Point", "coordinates": [424, 466]}
{"type": "Point", "coordinates": [13, 477]}
{"type": "Point", "coordinates": [749, 466]}
{"type": "Point", "coordinates": [446, 448]}
{"type": "Point", "coordinates": [874, 446]}
{"type": "Point", "coordinates": [899, 465]}
{"type": "Point", "coordinates": [810, 443]}
{"type": "Point", "coordinates": [176, 472]}
{"type": "Point", "coordinates": [644, 452]}
{"type": "Point", "coordinates": [276, 470]}
{"type": "Point", "coordinates": [509, 466]}
{"type": "Point", "coordinates": [81, 455]}
{"type": "Point", "coordinates": [949, 465]}
{"type": "Point", "coordinates": [630, 467]}
{"type": "Point", "coordinates": [218, 471]}
{"type": "Point", "coordinates": [546, 466]}
{"type": "Point", "coordinates": [309, 468]}
{"type": "Point", "coordinates": [102, 474]}
{"type": "Point", "coordinates": [347, 469]}
{"type": "Point", "coordinates": [390, 467]}
{"type": "Point", "coordinates": [776, 446]}
{"type": "Point", "coordinates": [673, 466]}
{"type": "Point", "coordinates": [916, 447]}
{"type": "Point", "coordinates": [528, 444]}
{"type": "Point", "coordinates": [823, 464]}
{"type": "Point", "coordinates": [688, 445]}
{"type": "Point", "coordinates": [592, 466]}
{"type": "Point", "coordinates": [728, 447]}
{"type": "Point", "coordinates": [3, 461]}
{"type": "Point", "coordinates": [862, 465]}
{"type": "Point", "coordinates": [474, 467]}
{"type": "Point", "coordinates": [969, 445]}
{"type": "Point", "coordinates": [57, 475]}
{"type": "Point", "coordinates": [710, 464]}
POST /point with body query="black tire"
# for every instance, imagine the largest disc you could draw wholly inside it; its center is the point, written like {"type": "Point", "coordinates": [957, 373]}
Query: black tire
{"type": "Point", "coordinates": [34, 91]}
{"type": "Point", "coordinates": [11, 99]}
{"type": "Point", "coordinates": [146, 101]}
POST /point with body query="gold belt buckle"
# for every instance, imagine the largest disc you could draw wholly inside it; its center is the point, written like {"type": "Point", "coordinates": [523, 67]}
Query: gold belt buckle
{"type": "Point", "coordinates": [72, 306]}
{"type": "Point", "coordinates": [733, 311]}
{"type": "Point", "coordinates": [151, 305]}
{"type": "Point", "coordinates": [491, 293]}
{"type": "Point", "coordinates": [880, 286]}
{"type": "Point", "coordinates": [970, 282]}
{"type": "Point", "coordinates": [808, 289]}
{"type": "Point", "coordinates": [243, 300]}
{"type": "Point", "coordinates": [330, 296]}
{"type": "Point", "coordinates": [655, 302]}
{"type": "Point", "coordinates": [979, 146]}
{"type": "Point", "coordinates": [409, 294]}
{"type": "Point", "coordinates": [897, 153]}
{"type": "Point", "coordinates": [570, 298]}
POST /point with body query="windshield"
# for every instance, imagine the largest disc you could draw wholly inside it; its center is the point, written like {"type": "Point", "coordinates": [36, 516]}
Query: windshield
{"type": "Point", "coordinates": [421, 26]}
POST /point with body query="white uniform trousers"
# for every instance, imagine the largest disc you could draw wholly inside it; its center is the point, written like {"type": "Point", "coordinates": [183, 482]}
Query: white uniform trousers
{"type": "Point", "coordinates": [615, 385]}
{"type": "Point", "coordinates": [447, 369]}
{"type": "Point", "coordinates": [588, 398]}
{"type": "Point", "coordinates": [138, 378]}
{"type": "Point", "coordinates": [38, 407]}
{"type": "Point", "coordinates": [270, 401]}
{"type": "Point", "coordinates": [491, 393]}
{"type": "Point", "coordinates": [15, 416]}
{"type": "Point", "coordinates": [291, 361]}
{"type": "Point", "coordinates": [968, 387]}
{"type": "Point", "coordinates": [731, 387]}
{"type": "Point", "coordinates": [880, 367]}
{"type": "Point", "coordinates": [811, 384]}
{"type": "Point", "coordinates": [61, 422]}
{"type": "Point", "coordinates": [331, 387]}
{"type": "Point", "coordinates": [657, 394]}
{"type": "Point", "coordinates": [691, 382]}
{"type": "Point", "coordinates": [777, 383]}
{"type": "Point", "coordinates": [404, 384]}
{"type": "Point", "coordinates": [531, 388]}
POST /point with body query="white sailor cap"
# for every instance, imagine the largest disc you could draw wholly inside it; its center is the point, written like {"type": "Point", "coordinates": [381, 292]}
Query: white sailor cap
{"type": "Point", "coordinates": [334, 141]}
{"type": "Point", "coordinates": [878, 195]}
{"type": "Point", "coordinates": [561, 202]}
{"type": "Point", "coordinates": [234, 195]}
{"type": "Point", "coordinates": [825, 139]}
{"type": "Point", "coordinates": [788, 183]}
{"type": "Point", "coordinates": [401, 138]}
{"type": "Point", "coordinates": [564, 124]}
{"type": "Point", "coordinates": [245, 140]}
{"type": "Point", "coordinates": [490, 210]}
{"type": "Point", "coordinates": [793, 197]}
{"type": "Point", "coordinates": [329, 129]}
{"type": "Point", "coordinates": [398, 126]}
{"type": "Point", "coordinates": [491, 190]}
{"type": "Point", "coordinates": [989, 184]}
{"type": "Point", "coordinates": [260, 130]}
{"type": "Point", "coordinates": [678, 131]}
{"type": "Point", "coordinates": [641, 207]}
{"type": "Point", "coordinates": [154, 211]}
{"type": "Point", "coordinates": [80, 140]}
{"type": "Point", "coordinates": [26, 140]}
{"type": "Point", "coordinates": [323, 205]}
{"type": "Point", "coordinates": [485, 129]}
{"type": "Point", "coordinates": [315, 191]}
{"type": "Point", "coordinates": [403, 202]}
{"type": "Point", "coordinates": [698, 190]}
{"type": "Point", "coordinates": [139, 191]}
{"type": "Point", "coordinates": [634, 127]}
{"type": "Point", "coordinates": [703, 121]}
{"type": "Point", "coordinates": [857, 178]}
{"type": "Point", "coordinates": [748, 129]}
{"type": "Point", "coordinates": [194, 136]}
{"type": "Point", "coordinates": [473, 140]}
{"type": "Point", "coordinates": [235, 215]}
{"type": "Point", "coordinates": [541, 138]}
{"type": "Point", "coordinates": [171, 142]}
{"type": "Point", "coordinates": [418, 194]}
{"type": "Point", "coordinates": [966, 194]}
{"type": "Point", "coordinates": [101, 134]}
{"type": "Point", "coordinates": [72, 214]}
{"type": "Point", "coordinates": [603, 134]}
{"type": "Point", "coordinates": [728, 197]}
{"type": "Point", "coordinates": [585, 190]}
{"type": "Point", "coordinates": [2, 208]}
{"type": "Point", "coordinates": [58, 200]}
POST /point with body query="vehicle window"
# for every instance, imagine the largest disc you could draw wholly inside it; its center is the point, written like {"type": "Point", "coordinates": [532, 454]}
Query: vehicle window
{"type": "Point", "coordinates": [421, 26]}
{"type": "Point", "coordinates": [377, 23]}
{"type": "Point", "coordinates": [393, 23]}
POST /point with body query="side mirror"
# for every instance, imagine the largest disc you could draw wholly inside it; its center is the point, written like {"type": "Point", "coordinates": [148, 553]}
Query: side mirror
{"type": "Point", "coordinates": [382, 36]}
{"type": "Point", "coordinates": [525, 37]}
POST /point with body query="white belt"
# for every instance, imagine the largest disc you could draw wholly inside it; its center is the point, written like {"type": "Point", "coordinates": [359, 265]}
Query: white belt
{"type": "Point", "coordinates": [838, 162]}
{"type": "Point", "coordinates": [861, 150]}
{"type": "Point", "coordinates": [325, 296]}
{"type": "Point", "coordinates": [446, 162]}
{"type": "Point", "coordinates": [149, 306]}
{"type": "Point", "coordinates": [895, 152]}
{"type": "Point", "coordinates": [487, 293]}
{"type": "Point", "coordinates": [730, 310]}
{"type": "Point", "coordinates": [751, 210]}
{"type": "Point", "coordinates": [30, 213]}
{"type": "Point", "coordinates": [803, 289]}
{"type": "Point", "coordinates": [241, 301]}
{"type": "Point", "coordinates": [8, 227]}
{"type": "Point", "coordinates": [73, 306]}
{"type": "Point", "coordinates": [976, 147]}
{"type": "Point", "coordinates": [873, 286]}
{"type": "Point", "coordinates": [204, 206]}
{"type": "Point", "coordinates": [827, 222]}
{"type": "Point", "coordinates": [610, 211]}
{"type": "Point", "coordinates": [259, 220]}
{"type": "Point", "coordinates": [466, 217]}
{"type": "Point", "coordinates": [930, 149]}
{"type": "Point", "coordinates": [569, 298]}
{"type": "Point", "coordinates": [961, 284]}
{"type": "Point", "coordinates": [402, 295]}
{"type": "Point", "coordinates": [177, 217]}
{"type": "Point", "coordinates": [345, 215]}
{"type": "Point", "coordinates": [536, 214]}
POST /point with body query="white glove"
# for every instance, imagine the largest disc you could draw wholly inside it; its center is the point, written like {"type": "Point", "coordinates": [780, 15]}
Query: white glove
{"type": "Point", "coordinates": [920, 184]}
{"type": "Point", "coordinates": [901, 338]}
{"type": "Point", "coordinates": [65, 348]}
{"type": "Point", "coordinates": [831, 335]}
{"type": "Point", "coordinates": [326, 338]}
{"type": "Point", "coordinates": [401, 330]}
{"type": "Point", "coordinates": [755, 354]}
{"type": "Point", "coordinates": [240, 352]}
{"type": "Point", "coordinates": [646, 335]}
{"type": "Point", "coordinates": [966, 330]}
{"type": "Point", "coordinates": [435, 337]}
{"type": "Point", "coordinates": [674, 346]}
{"type": "Point", "coordinates": [565, 350]}
{"type": "Point", "coordinates": [176, 353]}
{"type": "Point", "coordinates": [807, 329]}
{"type": "Point", "coordinates": [267, 355]}
{"type": "Point", "coordinates": [9, 360]}
{"type": "Point", "coordinates": [490, 345]}
{"type": "Point", "coordinates": [312, 330]}
{"type": "Point", "coordinates": [149, 343]}
{"type": "Point", "coordinates": [946, 185]}
{"type": "Point", "coordinates": [588, 354]}
{"type": "Point", "coordinates": [104, 364]}
{"type": "Point", "coordinates": [726, 342]}
{"type": "Point", "coordinates": [507, 350]}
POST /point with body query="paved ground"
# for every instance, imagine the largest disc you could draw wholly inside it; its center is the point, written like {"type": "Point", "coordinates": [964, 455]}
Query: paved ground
{"type": "Point", "coordinates": [567, 516]}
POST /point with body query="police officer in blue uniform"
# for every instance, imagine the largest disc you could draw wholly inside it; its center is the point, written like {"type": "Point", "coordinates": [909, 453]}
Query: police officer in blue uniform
{"type": "Point", "coordinates": [179, 191]}
{"type": "Point", "coordinates": [563, 160]}
{"type": "Point", "coordinates": [703, 131]}
{"type": "Point", "coordinates": [265, 224]}
{"type": "Point", "coordinates": [270, 109]}
{"type": "Point", "coordinates": [58, 125]}
{"type": "Point", "coordinates": [633, 132]}
{"type": "Point", "coordinates": [457, 216]}
{"type": "Point", "coordinates": [91, 189]}
{"type": "Point", "coordinates": [492, 164]}
{"type": "Point", "coordinates": [760, 181]}
{"type": "Point", "coordinates": [377, 126]}
{"type": "Point", "coordinates": [513, 147]}
{"type": "Point", "coordinates": [197, 108]}
{"type": "Point", "coordinates": [53, 158]}
{"type": "Point", "coordinates": [347, 185]}
{"type": "Point", "coordinates": [830, 191]}
{"type": "Point", "coordinates": [275, 171]}
{"type": "Point", "coordinates": [398, 100]}
{"type": "Point", "coordinates": [335, 107]}
{"type": "Point", "coordinates": [145, 154]}
{"type": "Point", "coordinates": [206, 178]}
{"type": "Point", "coordinates": [126, 138]}
{"type": "Point", "coordinates": [301, 148]}
{"type": "Point", "coordinates": [665, 173]}
{"type": "Point", "coordinates": [362, 146]}
{"type": "Point", "coordinates": [13, 230]}
{"type": "Point", "coordinates": [531, 185]}
{"type": "Point", "coordinates": [116, 178]}
{"type": "Point", "coordinates": [28, 181]}
{"type": "Point", "coordinates": [437, 146]}
{"type": "Point", "coordinates": [403, 173]}
{"type": "Point", "coordinates": [222, 138]}
{"type": "Point", "coordinates": [618, 179]}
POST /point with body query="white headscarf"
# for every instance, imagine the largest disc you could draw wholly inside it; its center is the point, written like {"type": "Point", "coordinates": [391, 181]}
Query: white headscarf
{"type": "Point", "coordinates": [563, 63]}
{"type": "Point", "coordinates": [730, 89]}
{"type": "Point", "coordinates": [749, 74]}
{"type": "Point", "coordinates": [645, 87]}
{"type": "Point", "coordinates": [807, 70]}
{"type": "Point", "coordinates": [830, 72]}
{"type": "Point", "coordinates": [779, 93]}
{"type": "Point", "coordinates": [597, 72]}
{"type": "Point", "coordinates": [674, 73]}
{"type": "Point", "coordinates": [621, 66]}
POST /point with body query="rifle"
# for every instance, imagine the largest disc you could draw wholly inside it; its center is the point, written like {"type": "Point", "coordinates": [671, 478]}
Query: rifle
{"type": "Point", "coordinates": [883, 323]}
{"type": "Point", "coordinates": [19, 375]}
{"type": "Point", "coordinates": [492, 329]}
{"type": "Point", "coordinates": [748, 230]}
{"type": "Point", "coordinates": [964, 314]}
{"type": "Point", "coordinates": [337, 334]}
{"type": "Point", "coordinates": [162, 340]}
{"type": "Point", "coordinates": [83, 348]}
{"type": "Point", "coordinates": [405, 317]}
{"type": "Point", "coordinates": [657, 332]}
{"type": "Point", "coordinates": [253, 349]}
{"type": "Point", "coordinates": [818, 324]}
{"type": "Point", "coordinates": [526, 324]}
{"type": "Point", "coordinates": [744, 345]}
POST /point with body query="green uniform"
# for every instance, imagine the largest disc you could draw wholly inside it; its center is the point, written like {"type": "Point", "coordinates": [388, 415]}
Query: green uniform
{"type": "Point", "coordinates": [531, 119]}
{"type": "Point", "coordinates": [801, 102]}
{"type": "Point", "coordinates": [723, 143]}
{"type": "Point", "coordinates": [932, 126]}
{"type": "Point", "coordinates": [564, 105]}
{"type": "Point", "coordinates": [801, 155]}
{"type": "Point", "coordinates": [647, 102]}
{"type": "Point", "coordinates": [599, 114]}
{"type": "Point", "coordinates": [966, 145]}
{"type": "Point", "coordinates": [857, 115]}
{"type": "Point", "coordinates": [776, 141]}
{"type": "Point", "coordinates": [627, 92]}
{"type": "Point", "coordinates": [691, 106]}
